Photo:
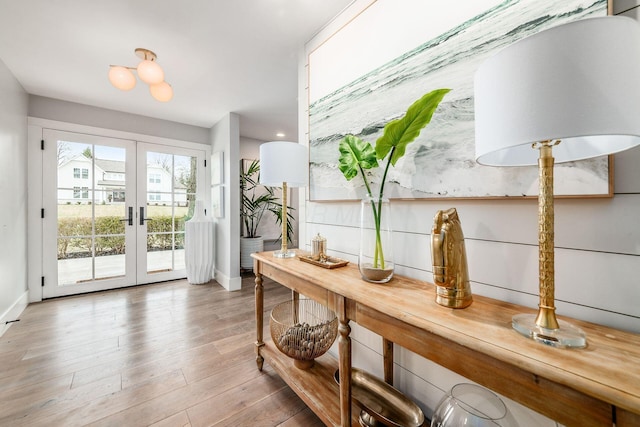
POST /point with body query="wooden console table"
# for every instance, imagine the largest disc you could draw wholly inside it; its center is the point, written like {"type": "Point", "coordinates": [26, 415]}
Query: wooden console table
{"type": "Point", "coordinates": [595, 386]}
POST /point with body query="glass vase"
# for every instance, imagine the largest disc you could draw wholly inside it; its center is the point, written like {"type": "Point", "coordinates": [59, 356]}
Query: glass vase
{"type": "Point", "coordinates": [470, 405]}
{"type": "Point", "coordinates": [376, 248]}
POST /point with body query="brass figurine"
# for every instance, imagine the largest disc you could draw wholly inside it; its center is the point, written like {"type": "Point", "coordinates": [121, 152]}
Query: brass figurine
{"type": "Point", "coordinates": [449, 257]}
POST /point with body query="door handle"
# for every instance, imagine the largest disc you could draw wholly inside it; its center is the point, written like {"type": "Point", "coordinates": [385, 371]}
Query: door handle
{"type": "Point", "coordinates": [142, 218]}
{"type": "Point", "coordinates": [130, 219]}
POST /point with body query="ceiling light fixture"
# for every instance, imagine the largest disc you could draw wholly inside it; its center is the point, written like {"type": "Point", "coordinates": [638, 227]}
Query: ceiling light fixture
{"type": "Point", "coordinates": [148, 71]}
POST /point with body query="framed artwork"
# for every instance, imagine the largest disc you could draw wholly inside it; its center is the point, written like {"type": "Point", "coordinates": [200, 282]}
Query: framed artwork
{"type": "Point", "coordinates": [217, 184]}
{"type": "Point", "coordinates": [359, 83]}
{"type": "Point", "coordinates": [217, 201]}
{"type": "Point", "coordinates": [217, 168]}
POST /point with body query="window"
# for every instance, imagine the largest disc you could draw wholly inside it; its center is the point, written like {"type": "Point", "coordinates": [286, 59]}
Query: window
{"type": "Point", "coordinates": [154, 197]}
{"type": "Point", "coordinates": [118, 196]}
{"type": "Point", "coordinates": [80, 193]}
{"type": "Point", "coordinates": [81, 173]}
{"type": "Point", "coordinates": [154, 178]}
{"type": "Point", "coordinates": [114, 176]}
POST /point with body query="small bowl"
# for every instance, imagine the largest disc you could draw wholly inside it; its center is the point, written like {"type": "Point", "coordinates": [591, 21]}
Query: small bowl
{"type": "Point", "coordinates": [303, 330]}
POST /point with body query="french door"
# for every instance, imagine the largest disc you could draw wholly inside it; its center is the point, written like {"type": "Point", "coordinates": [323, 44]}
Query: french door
{"type": "Point", "coordinates": [166, 192]}
{"type": "Point", "coordinates": [114, 211]}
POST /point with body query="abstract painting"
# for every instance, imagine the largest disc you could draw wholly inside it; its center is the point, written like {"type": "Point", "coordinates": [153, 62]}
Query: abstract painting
{"type": "Point", "coordinates": [440, 163]}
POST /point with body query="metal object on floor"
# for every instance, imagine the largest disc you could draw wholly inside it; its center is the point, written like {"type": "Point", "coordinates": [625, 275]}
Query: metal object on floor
{"type": "Point", "coordinates": [382, 404]}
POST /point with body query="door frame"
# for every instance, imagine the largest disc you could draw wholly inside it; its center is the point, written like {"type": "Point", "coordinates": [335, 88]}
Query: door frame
{"type": "Point", "coordinates": [143, 276]}
{"type": "Point", "coordinates": [35, 176]}
{"type": "Point", "coordinates": [50, 199]}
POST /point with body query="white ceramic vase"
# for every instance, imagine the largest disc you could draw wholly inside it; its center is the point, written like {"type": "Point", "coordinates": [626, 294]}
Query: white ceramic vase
{"type": "Point", "coordinates": [199, 246]}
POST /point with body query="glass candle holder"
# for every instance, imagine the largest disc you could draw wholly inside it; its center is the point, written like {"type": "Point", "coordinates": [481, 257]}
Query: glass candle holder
{"type": "Point", "coordinates": [319, 248]}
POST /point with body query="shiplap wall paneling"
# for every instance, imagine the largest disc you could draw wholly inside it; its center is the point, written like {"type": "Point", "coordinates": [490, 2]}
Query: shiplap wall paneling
{"type": "Point", "coordinates": [597, 252]}
{"type": "Point", "coordinates": [621, 6]}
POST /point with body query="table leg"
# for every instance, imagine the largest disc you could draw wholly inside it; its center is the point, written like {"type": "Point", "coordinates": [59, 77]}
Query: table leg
{"type": "Point", "coordinates": [295, 297]}
{"type": "Point", "coordinates": [259, 293]}
{"type": "Point", "coordinates": [344, 352]}
{"type": "Point", "coordinates": [387, 352]}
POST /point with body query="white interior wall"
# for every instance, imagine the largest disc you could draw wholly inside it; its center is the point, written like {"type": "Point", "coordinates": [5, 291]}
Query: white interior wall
{"type": "Point", "coordinates": [624, 6]}
{"type": "Point", "coordinates": [597, 252]}
{"type": "Point", "coordinates": [225, 137]}
{"type": "Point", "coordinates": [13, 193]}
{"type": "Point", "coordinates": [250, 149]}
{"type": "Point", "coordinates": [71, 112]}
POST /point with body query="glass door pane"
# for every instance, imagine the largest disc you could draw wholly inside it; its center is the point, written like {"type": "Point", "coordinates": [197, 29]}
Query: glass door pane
{"type": "Point", "coordinates": [91, 233]}
{"type": "Point", "coordinates": [90, 228]}
{"type": "Point", "coordinates": [168, 183]}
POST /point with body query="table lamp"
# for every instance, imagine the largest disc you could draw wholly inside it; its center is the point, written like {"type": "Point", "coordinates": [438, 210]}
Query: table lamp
{"type": "Point", "coordinates": [283, 164]}
{"type": "Point", "coordinates": [573, 92]}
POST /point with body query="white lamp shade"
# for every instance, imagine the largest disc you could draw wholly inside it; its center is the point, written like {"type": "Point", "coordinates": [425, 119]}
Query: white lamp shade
{"type": "Point", "coordinates": [578, 82]}
{"type": "Point", "coordinates": [121, 77]}
{"type": "Point", "coordinates": [150, 72]}
{"type": "Point", "coordinates": [282, 161]}
{"type": "Point", "coordinates": [162, 91]}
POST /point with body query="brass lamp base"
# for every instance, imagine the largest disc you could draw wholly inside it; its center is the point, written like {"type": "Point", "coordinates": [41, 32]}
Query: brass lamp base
{"type": "Point", "coordinates": [544, 327]}
{"type": "Point", "coordinates": [284, 254]}
{"type": "Point", "coordinates": [565, 336]}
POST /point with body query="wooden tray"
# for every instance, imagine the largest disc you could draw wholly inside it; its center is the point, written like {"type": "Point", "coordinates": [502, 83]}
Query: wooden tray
{"type": "Point", "coordinates": [331, 262]}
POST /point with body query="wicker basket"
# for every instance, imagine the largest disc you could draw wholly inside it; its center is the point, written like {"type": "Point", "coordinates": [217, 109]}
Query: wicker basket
{"type": "Point", "coordinates": [303, 330]}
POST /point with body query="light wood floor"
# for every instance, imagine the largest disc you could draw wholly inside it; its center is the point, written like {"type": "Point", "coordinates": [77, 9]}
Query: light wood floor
{"type": "Point", "coordinates": [169, 354]}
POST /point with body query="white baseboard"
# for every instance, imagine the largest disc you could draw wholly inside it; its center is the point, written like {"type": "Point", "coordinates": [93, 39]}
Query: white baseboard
{"type": "Point", "coordinates": [229, 283]}
{"type": "Point", "coordinates": [13, 312]}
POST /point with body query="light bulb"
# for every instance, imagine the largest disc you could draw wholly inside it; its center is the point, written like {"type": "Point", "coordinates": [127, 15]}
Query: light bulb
{"type": "Point", "coordinates": [162, 91]}
{"type": "Point", "coordinates": [121, 77]}
{"type": "Point", "coordinates": [150, 72]}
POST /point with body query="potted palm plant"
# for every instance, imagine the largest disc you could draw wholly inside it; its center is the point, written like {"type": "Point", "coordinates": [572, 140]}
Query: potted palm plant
{"type": "Point", "coordinates": [257, 200]}
{"type": "Point", "coordinates": [357, 156]}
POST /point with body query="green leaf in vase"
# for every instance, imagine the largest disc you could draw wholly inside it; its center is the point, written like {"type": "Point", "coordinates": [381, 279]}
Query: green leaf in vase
{"type": "Point", "coordinates": [355, 154]}
{"type": "Point", "coordinates": [399, 133]}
